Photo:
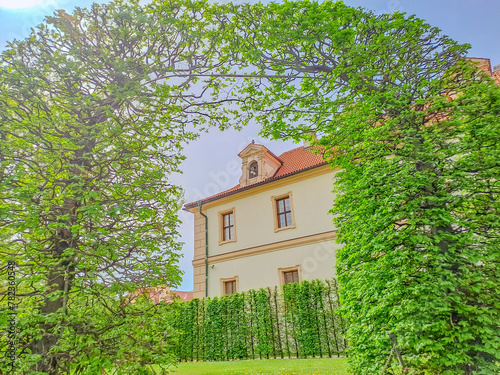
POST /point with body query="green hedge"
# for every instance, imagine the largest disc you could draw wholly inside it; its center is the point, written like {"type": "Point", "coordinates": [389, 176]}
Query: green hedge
{"type": "Point", "coordinates": [299, 320]}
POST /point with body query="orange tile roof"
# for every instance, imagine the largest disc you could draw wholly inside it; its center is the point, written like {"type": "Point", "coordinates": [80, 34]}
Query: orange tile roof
{"type": "Point", "coordinates": [485, 65]}
{"type": "Point", "coordinates": [294, 161]}
{"type": "Point", "coordinates": [300, 159]}
{"type": "Point", "coordinates": [161, 294]}
{"type": "Point", "coordinates": [496, 76]}
{"type": "Point", "coordinates": [184, 296]}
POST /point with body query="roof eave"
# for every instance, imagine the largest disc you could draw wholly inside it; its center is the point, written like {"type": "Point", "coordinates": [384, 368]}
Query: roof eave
{"type": "Point", "coordinates": [188, 206]}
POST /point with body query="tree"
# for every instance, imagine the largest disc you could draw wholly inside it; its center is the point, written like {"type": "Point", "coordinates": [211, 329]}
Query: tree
{"type": "Point", "coordinates": [414, 128]}
{"type": "Point", "coordinates": [96, 105]}
{"type": "Point", "coordinates": [95, 109]}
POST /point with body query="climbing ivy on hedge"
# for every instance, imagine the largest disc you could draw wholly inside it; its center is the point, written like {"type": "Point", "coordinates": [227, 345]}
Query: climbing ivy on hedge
{"type": "Point", "coordinates": [298, 320]}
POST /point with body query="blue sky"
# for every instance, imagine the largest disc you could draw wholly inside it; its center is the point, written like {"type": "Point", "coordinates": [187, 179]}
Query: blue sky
{"type": "Point", "coordinates": [211, 160]}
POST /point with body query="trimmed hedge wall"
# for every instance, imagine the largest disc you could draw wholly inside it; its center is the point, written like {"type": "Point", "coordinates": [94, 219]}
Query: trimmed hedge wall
{"type": "Point", "coordinates": [300, 320]}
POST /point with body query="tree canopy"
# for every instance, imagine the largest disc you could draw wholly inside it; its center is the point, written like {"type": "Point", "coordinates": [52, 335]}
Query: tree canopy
{"type": "Point", "coordinates": [414, 127]}
{"type": "Point", "coordinates": [95, 109]}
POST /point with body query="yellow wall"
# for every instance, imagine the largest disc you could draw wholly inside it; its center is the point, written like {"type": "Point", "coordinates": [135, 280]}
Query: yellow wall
{"type": "Point", "coordinates": [259, 250]}
{"type": "Point", "coordinates": [316, 261]}
{"type": "Point", "coordinates": [254, 218]}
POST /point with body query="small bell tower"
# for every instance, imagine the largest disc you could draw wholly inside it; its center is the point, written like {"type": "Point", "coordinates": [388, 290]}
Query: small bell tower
{"type": "Point", "coordinates": [258, 164]}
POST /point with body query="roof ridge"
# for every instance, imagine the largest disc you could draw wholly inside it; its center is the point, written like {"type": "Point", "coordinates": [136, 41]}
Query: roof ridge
{"type": "Point", "coordinates": [293, 149]}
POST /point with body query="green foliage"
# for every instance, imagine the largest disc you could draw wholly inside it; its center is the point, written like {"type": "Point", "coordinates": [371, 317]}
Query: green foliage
{"type": "Point", "coordinates": [311, 312]}
{"type": "Point", "coordinates": [263, 323]}
{"type": "Point", "coordinates": [419, 216]}
{"type": "Point", "coordinates": [143, 331]}
{"type": "Point", "coordinates": [95, 110]}
{"type": "Point", "coordinates": [237, 327]}
{"type": "Point", "coordinates": [294, 322]}
{"type": "Point", "coordinates": [413, 129]}
{"type": "Point", "coordinates": [323, 366]}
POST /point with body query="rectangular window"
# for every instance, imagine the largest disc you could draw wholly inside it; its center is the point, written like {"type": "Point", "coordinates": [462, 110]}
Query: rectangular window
{"type": "Point", "coordinates": [284, 210]}
{"type": "Point", "coordinates": [227, 227]}
{"type": "Point", "coordinates": [291, 277]}
{"type": "Point", "coordinates": [230, 287]}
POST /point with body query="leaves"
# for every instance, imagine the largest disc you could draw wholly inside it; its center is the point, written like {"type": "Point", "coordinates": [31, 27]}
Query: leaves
{"type": "Point", "coordinates": [95, 109]}
{"type": "Point", "coordinates": [301, 320]}
{"type": "Point", "coordinates": [413, 128]}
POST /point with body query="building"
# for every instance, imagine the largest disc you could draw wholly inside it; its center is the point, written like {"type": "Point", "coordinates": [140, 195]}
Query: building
{"type": "Point", "coordinates": [160, 294]}
{"type": "Point", "coordinates": [272, 228]}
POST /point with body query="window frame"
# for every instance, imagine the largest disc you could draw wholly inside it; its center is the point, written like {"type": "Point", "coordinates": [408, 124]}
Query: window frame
{"type": "Point", "coordinates": [224, 281]}
{"type": "Point", "coordinates": [283, 270]}
{"type": "Point", "coordinates": [221, 215]}
{"type": "Point", "coordinates": [275, 200]}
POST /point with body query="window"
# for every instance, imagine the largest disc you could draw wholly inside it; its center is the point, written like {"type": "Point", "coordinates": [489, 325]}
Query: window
{"type": "Point", "coordinates": [283, 212]}
{"type": "Point", "coordinates": [289, 275]}
{"type": "Point", "coordinates": [253, 171]}
{"type": "Point", "coordinates": [229, 285]}
{"type": "Point", "coordinates": [227, 229]}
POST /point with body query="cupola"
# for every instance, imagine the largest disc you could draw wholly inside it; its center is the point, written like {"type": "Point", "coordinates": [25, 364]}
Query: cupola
{"type": "Point", "coordinates": [258, 164]}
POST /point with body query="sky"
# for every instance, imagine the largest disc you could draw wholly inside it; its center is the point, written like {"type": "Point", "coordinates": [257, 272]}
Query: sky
{"type": "Point", "coordinates": [212, 164]}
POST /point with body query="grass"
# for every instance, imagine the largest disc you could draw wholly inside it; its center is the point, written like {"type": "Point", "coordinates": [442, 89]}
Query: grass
{"type": "Point", "coordinates": [316, 366]}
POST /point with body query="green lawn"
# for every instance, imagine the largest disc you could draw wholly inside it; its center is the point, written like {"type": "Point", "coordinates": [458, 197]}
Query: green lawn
{"type": "Point", "coordinates": [337, 366]}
